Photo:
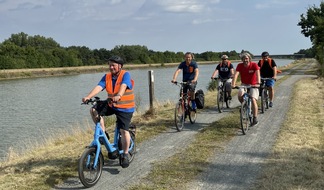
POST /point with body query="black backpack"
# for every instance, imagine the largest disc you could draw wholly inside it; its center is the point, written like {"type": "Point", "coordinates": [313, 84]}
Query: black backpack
{"type": "Point", "coordinates": [200, 99]}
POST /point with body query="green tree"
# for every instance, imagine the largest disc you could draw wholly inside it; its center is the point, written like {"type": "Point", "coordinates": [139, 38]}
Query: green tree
{"type": "Point", "coordinates": [312, 26]}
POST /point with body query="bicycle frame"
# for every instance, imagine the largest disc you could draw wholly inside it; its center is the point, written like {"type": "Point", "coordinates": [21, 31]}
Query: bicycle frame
{"type": "Point", "coordinates": [264, 94]}
{"type": "Point", "coordinates": [110, 147]}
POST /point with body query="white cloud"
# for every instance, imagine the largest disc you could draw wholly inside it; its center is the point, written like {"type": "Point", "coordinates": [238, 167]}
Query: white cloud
{"type": "Point", "coordinates": [22, 4]}
{"type": "Point", "coordinates": [189, 6]}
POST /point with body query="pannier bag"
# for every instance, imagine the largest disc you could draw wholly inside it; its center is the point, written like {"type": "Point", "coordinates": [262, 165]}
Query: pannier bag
{"type": "Point", "coordinates": [200, 99]}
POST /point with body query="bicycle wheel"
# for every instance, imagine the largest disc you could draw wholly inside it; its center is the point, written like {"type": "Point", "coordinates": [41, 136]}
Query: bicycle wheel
{"type": "Point", "coordinates": [244, 117]}
{"type": "Point", "coordinates": [89, 174]}
{"type": "Point", "coordinates": [179, 116]}
{"type": "Point", "coordinates": [192, 115]}
{"type": "Point", "coordinates": [133, 150]}
{"type": "Point", "coordinates": [263, 101]}
{"type": "Point", "coordinates": [266, 94]}
{"type": "Point", "coordinates": [220, 100]}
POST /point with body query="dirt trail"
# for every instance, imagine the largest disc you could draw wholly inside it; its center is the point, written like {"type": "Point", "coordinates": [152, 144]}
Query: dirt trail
{"type": "Point", "coordinates": [235, 168]}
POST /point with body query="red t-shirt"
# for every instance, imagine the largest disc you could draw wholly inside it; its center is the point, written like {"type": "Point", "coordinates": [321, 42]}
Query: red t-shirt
{"type": "Point", "coordinates": [248, 74]}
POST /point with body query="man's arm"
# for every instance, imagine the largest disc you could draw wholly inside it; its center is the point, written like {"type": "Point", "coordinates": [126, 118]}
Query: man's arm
{"type": "Point", "coordinates": [258, 77]}
{"type": "Point", "coordinates": [274, 72]}
{"type": "Point", "coordinates": [235, 78]}
{"type": "Point", "coordinates": [92, 93]}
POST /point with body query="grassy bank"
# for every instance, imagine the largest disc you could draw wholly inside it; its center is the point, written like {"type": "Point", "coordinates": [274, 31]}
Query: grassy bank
{"type": "Point", "coordinates": [48, 72]}
{"type": "Point", "coordinates": [56, 159]}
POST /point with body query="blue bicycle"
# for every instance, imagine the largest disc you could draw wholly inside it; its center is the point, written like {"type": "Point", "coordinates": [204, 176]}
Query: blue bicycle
{"type": "Point", "coordinates": [92, 160]}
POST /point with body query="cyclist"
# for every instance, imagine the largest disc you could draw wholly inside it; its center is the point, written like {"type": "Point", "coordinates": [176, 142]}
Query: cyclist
{"type": "Point", "coordinates": [250, 75]}
{"type": "Point", "coordinates": [119, 87]}
{"type": "Point", "coordinates": [225, 70]}
{"type": "Point", "coordinates": [190, 74]}
{"type": "Point", "coordinates": [268, 69]}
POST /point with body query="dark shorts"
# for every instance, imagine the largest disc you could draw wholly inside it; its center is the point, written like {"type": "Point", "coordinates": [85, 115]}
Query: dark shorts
{"type": "Point", "coordinates": [191, 87]}
{"type": "Point", "coordinates": [123, 118]}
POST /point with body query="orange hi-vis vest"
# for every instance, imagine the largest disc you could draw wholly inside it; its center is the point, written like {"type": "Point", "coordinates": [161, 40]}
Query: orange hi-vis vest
{"type": "Point", "coordinates": [128, 99]}
{"type": "Point", "coordinates": [270, 63]}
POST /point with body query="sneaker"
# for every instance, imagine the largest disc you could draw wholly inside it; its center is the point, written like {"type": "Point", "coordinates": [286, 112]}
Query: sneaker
{"type": "Point", "coordinates": [270, 104]}
{"type": "Point", "coordinates": [125, 161]}
{"type": "Point", "coordinates": [255, 122]}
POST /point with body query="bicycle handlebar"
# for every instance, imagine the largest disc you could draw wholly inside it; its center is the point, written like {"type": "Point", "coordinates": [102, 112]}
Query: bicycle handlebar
{"type": "Point", "coordinates": [96, 99]}
{"type": "Point", "coordinates": [180, 83]}
{"type": "Point", "coordinates": [249, 86]}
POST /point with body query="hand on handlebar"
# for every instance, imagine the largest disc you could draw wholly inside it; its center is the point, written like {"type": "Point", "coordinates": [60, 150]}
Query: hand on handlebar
{"type": "Point", "coordinates": [85, 100]}
{"type": "Point", "coordinates": [174, 82]}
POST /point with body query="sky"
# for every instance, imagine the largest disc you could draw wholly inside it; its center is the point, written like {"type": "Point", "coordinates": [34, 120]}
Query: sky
{"type": "Point", "coordinates": [162, 25]}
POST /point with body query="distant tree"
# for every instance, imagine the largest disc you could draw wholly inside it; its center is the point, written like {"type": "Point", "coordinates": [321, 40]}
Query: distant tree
{"type": "Point", "coordinates": [312, 26]}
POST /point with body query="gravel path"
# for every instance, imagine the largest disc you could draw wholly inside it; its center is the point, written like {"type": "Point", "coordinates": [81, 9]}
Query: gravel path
{"type": "Point", "coordinates": [235, 168]}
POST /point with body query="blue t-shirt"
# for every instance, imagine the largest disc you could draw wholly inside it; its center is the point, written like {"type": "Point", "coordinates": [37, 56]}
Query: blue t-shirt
{"type": "Point", "coordinates": [188, 71]}
{"type": "Point", "coordinates": [126, 80]}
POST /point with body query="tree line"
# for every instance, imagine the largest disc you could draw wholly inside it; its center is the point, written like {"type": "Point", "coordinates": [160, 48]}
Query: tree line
{"type": "Point", "coordinates": [312, 26]}
{"type": "Point", "coordinates": [22, 51]}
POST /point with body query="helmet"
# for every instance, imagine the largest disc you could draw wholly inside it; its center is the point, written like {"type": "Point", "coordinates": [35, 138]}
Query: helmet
{"type": "Point", "coordinates": [265, 54]}
{"type": "Point", "coordinates": [116, 59]}
{"type": "Point", "coordinates": [224, 57]}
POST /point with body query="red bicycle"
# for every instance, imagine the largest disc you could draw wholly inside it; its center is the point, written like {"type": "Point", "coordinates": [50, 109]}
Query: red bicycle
{"type": "Point", "coordinates": [183, 108]}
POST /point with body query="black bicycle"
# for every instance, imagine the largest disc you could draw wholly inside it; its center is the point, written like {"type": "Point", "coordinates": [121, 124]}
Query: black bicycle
{"type": "Point", "coordinates": [264, 93]}
{"type": "Point", "coordinates": [222, 95]}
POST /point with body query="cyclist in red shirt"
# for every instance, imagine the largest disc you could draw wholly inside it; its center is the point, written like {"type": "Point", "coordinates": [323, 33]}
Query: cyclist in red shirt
{"type": "Point", "coordinates": [250, 75]}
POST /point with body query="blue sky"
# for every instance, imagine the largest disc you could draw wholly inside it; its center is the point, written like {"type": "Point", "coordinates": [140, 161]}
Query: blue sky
{"type": "Point", "coordinates": [161, 25]}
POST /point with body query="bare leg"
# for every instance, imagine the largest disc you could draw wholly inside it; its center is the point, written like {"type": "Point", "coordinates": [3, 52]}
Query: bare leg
{"type": "Point", "coordinates": [94, 116]}
{"type": "Point", "coordinates": [125, 140]}
{"type": "Point", "coordinates": [192, 95]}
{"type": "Point", "coordinates": [271, 93]}
{"type": "Point", "coordinates": [240, 95]}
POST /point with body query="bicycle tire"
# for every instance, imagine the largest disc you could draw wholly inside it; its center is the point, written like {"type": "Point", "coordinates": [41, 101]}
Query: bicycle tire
{"type": "Point", "coordinates": [220, 100]}
{"type": "Point", "coordinates": [133, 151]}
{"type": "Point", "coordinates": [244, 117]}
{"type": "Point", "coordinates": [88, 175]}
{"type": "Point", "coordinates": [192, 115]}
{"type": "Point", "coordinates": [263, 101]}
{"type": "Point", "coordinates": [267, 98]}
{"type": "Point", "coordinates": [179, 116]}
